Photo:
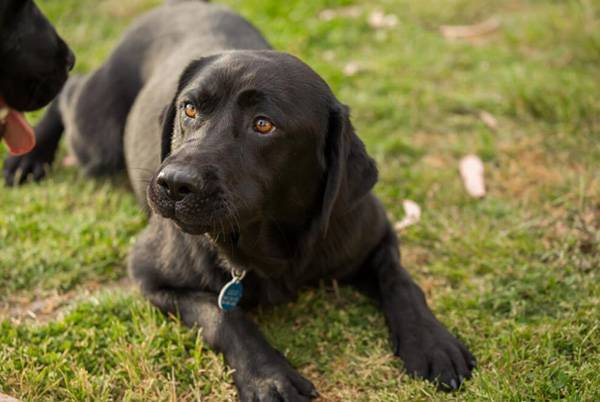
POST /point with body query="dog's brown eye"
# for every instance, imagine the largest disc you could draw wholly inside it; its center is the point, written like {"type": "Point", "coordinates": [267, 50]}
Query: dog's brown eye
{"type": "Point", "coordinates": [263, 125]}
{"type": "Point", "coordinates": [190, 110]}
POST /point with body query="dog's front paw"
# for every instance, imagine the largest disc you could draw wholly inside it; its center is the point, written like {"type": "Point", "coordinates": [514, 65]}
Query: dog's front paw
{"type": "Point", "coordinates": [431, 352]}
{"type": "Point", "coordinates": [273, 381]}
{"type": "Point", "coordinates": [18, 169]}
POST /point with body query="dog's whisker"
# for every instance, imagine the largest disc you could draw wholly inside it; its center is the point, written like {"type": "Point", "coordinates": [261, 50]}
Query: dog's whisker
{"type": "Point", "coordinates": [233, 222]}
{"type": "Point", "coordinates": [240, 199]}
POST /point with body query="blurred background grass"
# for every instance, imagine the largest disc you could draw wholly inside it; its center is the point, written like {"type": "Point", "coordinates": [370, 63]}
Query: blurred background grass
{"type": "Point", "coordinates": [515, 274]}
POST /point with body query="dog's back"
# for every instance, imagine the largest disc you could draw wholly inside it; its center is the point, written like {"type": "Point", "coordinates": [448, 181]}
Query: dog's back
{"type": "Point", "coordinates": [145, 66]}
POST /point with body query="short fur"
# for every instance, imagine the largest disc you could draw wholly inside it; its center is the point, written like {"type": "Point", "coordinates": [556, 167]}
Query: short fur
{"type": "Point", "coordinates": [34, 60]}
{"type": "Point", "coordinates": [291, 208]}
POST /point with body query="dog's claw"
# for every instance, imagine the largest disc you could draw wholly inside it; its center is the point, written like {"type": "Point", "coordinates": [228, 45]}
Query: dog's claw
{"type": "Point", "coordinates": [453, 384]}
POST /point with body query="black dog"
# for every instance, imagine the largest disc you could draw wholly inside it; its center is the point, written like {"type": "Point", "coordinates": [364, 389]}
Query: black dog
{"type": "Point", "coordinates": [35, 60]}
{"type": "Point", "coordinates": [254, 175]}
{"type": "Point", "coordinates": [34, 65]}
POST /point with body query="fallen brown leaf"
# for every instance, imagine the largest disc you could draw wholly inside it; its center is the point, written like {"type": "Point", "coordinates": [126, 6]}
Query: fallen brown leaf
{"type": "Point", "coordinates": [483, 28]}
{"type": "Point", "coordinates": [412, 212]}
{"type": "Point", "coordinates": [330, 13]}
{"type": "Point", "coordinates": [351, 68]}
{"type": "Point", "coordinates": [378, 19]}
{"type": "Point", "coordinates": [488, 119]}
{"type": "Point", "coordinates": [471, 171]}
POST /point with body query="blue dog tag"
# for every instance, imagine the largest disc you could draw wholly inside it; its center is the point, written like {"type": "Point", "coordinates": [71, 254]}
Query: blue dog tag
{"type": "Point", "coordinates": [230, 294]}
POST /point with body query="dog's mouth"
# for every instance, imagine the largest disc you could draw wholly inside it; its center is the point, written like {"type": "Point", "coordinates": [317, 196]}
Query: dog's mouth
{"type": "Point", "coordinates": [195, 214]}
{"type": "Point", "coordinates": [217, 231]}
{"type": "Point", "coordinates": [216, 222]}
{"type": "Point", "coordinates": [45, 89]}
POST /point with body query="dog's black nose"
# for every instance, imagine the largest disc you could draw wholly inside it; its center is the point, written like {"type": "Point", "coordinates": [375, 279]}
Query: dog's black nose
{"type": "Point", "coordinates": [179, 181]}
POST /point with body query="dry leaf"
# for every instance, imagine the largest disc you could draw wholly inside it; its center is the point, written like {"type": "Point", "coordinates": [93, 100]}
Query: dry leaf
{"type": "Point", "coordinates": [351, 68]}
{"type": "Point", "coordinates": [471, 171]}
{"type": "Point", "coordinates": [488, 119]}
{"type": "Point", "coordinates": [412, 215]}
{"type": "Point", "coordinates": [378, 19]}
{"type": "Point", "coordinates": [330, 13]}
{"type": "Point", "coordinates": [486, 27]}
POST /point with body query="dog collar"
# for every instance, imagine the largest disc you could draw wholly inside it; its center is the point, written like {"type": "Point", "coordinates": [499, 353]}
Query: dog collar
{"type": "Point", "coordinates": [231, 294]}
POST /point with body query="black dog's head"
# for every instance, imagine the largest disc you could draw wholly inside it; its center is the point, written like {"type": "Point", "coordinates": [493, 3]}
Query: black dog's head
{"type": "Point", "coordinates": [35, 61]}
{"type": "Point", "coordinates": [253, 136]}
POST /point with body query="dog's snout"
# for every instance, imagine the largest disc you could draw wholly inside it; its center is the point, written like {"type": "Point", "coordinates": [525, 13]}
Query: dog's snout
{"type": "Point", "coordinates": [70, 60]}
{"type": "Point", "coordinates": [65, 52]}
{"type": "Point", "coordinates": [179, 182]}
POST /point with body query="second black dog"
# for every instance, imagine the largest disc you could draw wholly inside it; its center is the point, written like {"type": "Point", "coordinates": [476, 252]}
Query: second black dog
{"type": "Point", "coordinates": [34, 60]}
{"type": "Point", "coordinates": [34, 65]}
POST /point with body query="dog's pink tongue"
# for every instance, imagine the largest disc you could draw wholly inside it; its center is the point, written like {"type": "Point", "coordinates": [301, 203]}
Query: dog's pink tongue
{"type": "Point", "coordinates": [18, 135]}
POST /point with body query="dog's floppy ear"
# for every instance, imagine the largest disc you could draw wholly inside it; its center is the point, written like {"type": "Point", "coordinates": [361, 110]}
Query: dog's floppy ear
{"type": "Point", "coordinates": [351, 172]}
{"type": "Point", "coordinates": [167, 117]}
{"type": "Point", "coordinates": [167, 120]}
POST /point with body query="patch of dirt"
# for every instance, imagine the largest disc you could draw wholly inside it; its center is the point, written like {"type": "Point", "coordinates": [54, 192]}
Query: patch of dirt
{"type": "Point", "coordinates": [21, 309]}
{"type": "Point", "coordinates": [437, 161]}
{"type": "Point", "coordinates": [415, 256]}
{"type": "Point", "coordinates": [572, 237]}
{"type": "Point", "coordinates": [379, 366]}
{"type": "Point", "coordinates": [524, 169]}
{"type": "Point", "coordinates": [6, 398]}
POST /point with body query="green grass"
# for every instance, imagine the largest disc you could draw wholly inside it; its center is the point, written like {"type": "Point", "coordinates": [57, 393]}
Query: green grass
{"type": "Point", "coordinates": [515, 274]}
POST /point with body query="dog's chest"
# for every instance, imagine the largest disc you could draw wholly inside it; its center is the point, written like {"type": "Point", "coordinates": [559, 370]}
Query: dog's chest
{"type": "Point", "coordinates": [268, 291]}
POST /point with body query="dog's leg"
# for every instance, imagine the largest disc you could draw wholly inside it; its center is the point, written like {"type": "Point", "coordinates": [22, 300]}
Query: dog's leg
{"type": "Point", "coordinates": [261, 372]}
{"type": "Point", "coordinates": [36, 163]}
{"type": "Point", "coordinates": [426, 347]}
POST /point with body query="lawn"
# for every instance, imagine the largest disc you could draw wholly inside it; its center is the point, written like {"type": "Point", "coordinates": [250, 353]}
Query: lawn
{"type": "Point", "coordinates": [515, 274]}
